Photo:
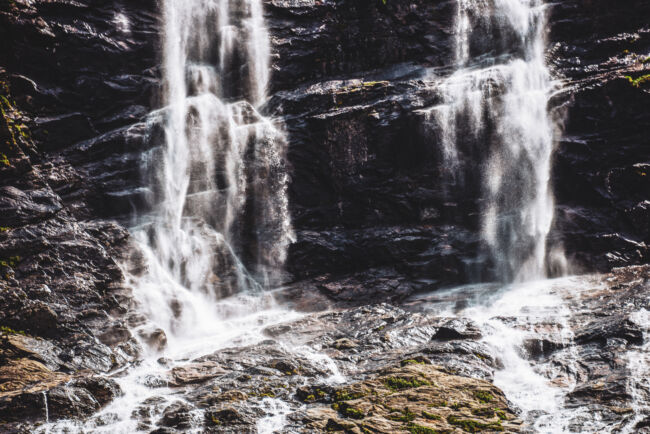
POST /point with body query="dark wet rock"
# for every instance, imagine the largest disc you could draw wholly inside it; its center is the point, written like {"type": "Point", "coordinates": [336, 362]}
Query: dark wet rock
{"type": "Point", "coordinates": [538, 347]}
{"type": "Point", "coordinates": [178, 415]}
{"type": "Point", "coordinates": [321, 393]}
{"type": "Point", "coordinates": [41, 350]}
{"type": "Point", "coordinates": [19, 208]}
{"type": "Point", "coordinates": [615, 327]}
{"type": "Point", "coordinates": [60, 285]}
{"type": "Point", "coordinates": [604, 334]}
{"type": "Point", "coordinates": [102, 389]}
{"type": "Point", "coordinates": [598, 175]}
{"type": "Point", "coordinates": [227, 416]}
{"type": "Point", "coordinates": [352, 84]}
{"type": "Point", "coordinates": [456, 329]}
{"type": "Point", "coordinates": [319, 40]}
{"type": "Point", "coordinates": [468, 358]}
{"type": "Point", "coordinates": [148, 409]}
{"type": "Point", "coordinates": [344, 344]}
{"type": "Point", "coordinates": [64, 399]}
{"type": "Point", "coordinates": [286, 367]}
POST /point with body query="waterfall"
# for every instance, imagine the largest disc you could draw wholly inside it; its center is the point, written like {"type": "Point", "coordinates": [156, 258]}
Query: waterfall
{"type": "Point", "coordinates": [494, 114]}
{"type": "Point", "coordinates": [497, 138]}
{"type": "Point", "coordinates": [218, 184]}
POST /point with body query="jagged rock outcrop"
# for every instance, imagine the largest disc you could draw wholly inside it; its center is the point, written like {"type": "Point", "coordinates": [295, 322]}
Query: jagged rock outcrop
{"type": "Point", "coordinates": [62, 289]}
{"type": "Point", "coordinates": [367, 195]}
{"type": "Point", "coordinates": [408, 370]}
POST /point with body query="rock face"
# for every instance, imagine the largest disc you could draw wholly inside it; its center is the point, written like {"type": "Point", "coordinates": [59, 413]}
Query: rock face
{"type": "Point", "coordinates": [406, 371]}
{"type": "Point", "coordinates": [62, 291]}
{"type": "Point", "coordinates": [366, 197]}
{"type": "Point", "coordinates": [600, 177]}
{"type": "Point", "coordinates": [414, 398]}
{"type": "Point", "coordinates": [404, 380]}
{"type": "Point", "coordinates": [349, 82]}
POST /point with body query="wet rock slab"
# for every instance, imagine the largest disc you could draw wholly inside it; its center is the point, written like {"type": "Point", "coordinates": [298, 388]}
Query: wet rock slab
{"type": "Point", "coordinates": [383, 355]}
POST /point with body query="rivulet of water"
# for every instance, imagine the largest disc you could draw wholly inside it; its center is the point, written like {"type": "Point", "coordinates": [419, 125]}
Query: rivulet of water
{"type": "Point", "coordinates": [220, 224]}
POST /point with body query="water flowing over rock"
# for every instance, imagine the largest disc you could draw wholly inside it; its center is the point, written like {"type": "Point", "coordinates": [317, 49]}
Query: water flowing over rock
{"type": "Point", "coordinates": [324, 216]}
{"type": "Point", "coordinates": [494, 115]}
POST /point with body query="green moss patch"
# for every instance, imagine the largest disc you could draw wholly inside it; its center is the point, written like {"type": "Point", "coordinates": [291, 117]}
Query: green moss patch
{"type": "Point", "coordinates": [398, 383]}
{"type": "Point", "coordinates": [348, 411]}
{"type": "Point", "coordinates": [637, 82]}
{"type": "Point", "coordinates": [411, 362]}
{"type": "Point", "coordinates": [347, 395]}
{"type": "Point", "coordinates": [9, 331]}
{"type": "Point", "coordinates": [430, 416]}
{"type": "Point", "coordinates": [12, 261]}
{"type": "Point", "coordinates": [402, 416]}
{"type": "Point", "coordinates": [483, 396]}
{"type": "Point", "coordinates": [419, 429]}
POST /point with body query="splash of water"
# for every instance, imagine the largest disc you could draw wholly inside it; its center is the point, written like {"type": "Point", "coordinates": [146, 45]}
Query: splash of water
{"type": "Point", "coordinates": [275, 420]}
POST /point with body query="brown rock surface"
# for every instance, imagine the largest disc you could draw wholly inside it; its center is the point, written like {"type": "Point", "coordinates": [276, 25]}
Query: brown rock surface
{"type": "Point", "coordinates": [416, 398]}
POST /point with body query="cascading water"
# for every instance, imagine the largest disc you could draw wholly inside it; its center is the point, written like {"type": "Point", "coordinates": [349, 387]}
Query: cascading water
{"type": "Point", "coordinates": [219, 228]}
{"type": "Point", "coordinates": [221, 171]}
{"type": "Point", "coordinates": [494, 121]}
{"type": "Point", "coordinates": [220, 225]}
{"type": "Point", "coordinates": [494, 112]}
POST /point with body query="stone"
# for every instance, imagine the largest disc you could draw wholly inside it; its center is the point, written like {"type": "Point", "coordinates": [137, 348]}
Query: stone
{"type": "Point", "coordinates": [417, 397]}
{"type": "Point", "coordinates": [195, 373]}
{"type": "Point", "coordinates": [344, 344]}
{"type": "Point", "coordinates": [457, 329]}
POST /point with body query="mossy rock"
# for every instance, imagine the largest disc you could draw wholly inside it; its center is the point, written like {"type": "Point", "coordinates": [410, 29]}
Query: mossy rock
{"type": "Point", "coordinates": [418, 398]}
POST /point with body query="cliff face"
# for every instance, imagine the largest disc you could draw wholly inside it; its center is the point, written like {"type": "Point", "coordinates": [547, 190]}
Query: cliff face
{"type": "Point", "coordinates": [601, 165]}
{"type": "Point", "coordinates": [71, 79]}
{"type": "Point", "coordinates": [369, 195]}
{"type": "Point", "coordinates": [350, 80]}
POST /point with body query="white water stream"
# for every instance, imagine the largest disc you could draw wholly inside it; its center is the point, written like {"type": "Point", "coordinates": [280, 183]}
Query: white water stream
{"type": "Point", "coordinates": [220, 227]}
{"type": "Point", "coordinates": [513, 318]}
{"type": "Point", "coordinates": [495, 110]}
